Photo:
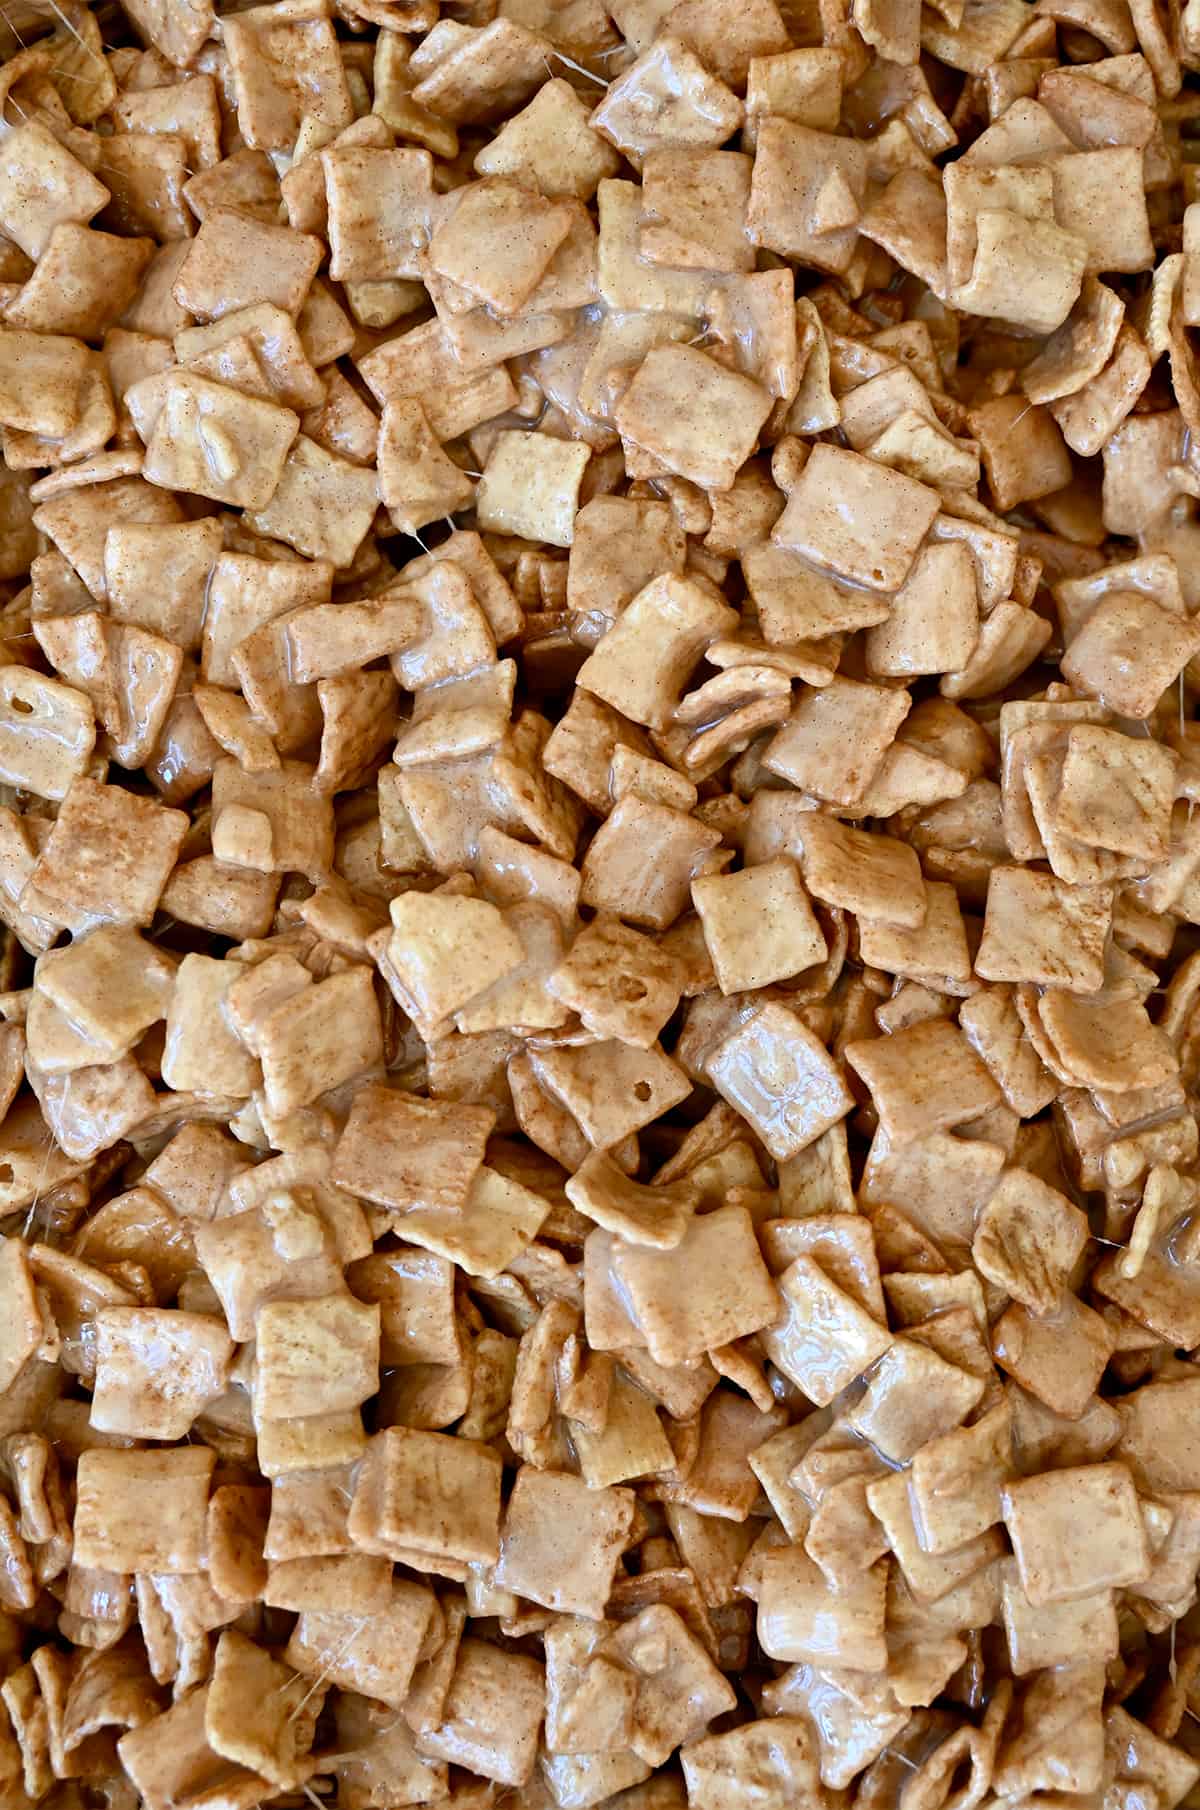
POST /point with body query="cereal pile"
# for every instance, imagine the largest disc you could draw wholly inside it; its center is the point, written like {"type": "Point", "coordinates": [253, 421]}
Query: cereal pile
{"type": "Point", "coordinates": [599, 986]}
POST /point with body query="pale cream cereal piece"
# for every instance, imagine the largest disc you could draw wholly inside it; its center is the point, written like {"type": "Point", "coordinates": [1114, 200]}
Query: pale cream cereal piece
{"type": "Point", "coordinates": [47, 732]}
{"type": "Point", "coordinates": [929, 1578]}
{"type": "Point", "coordinates": [1028, 271]}
{"type": "Point", "coordinates": [243, 837]}
{"type": "Point", "coordinates": [1127, 653]}
{"type": "Point", "coordinates": [82, 284]}
{"type": "Point", "coordinates": [1038, 929]}
{"type": "Point", "coordinates": [1117, 792]}
{"type": "Point", "coordinates": [758, 925]}
{"type": "Point", "coordinates": [156, 1370]}
{"type": "Point", "coordinates": [229, 721]}
{"type": "Point", "coordinates": [694, 206]}
{"type": "Point", "coordinates": [315, 1356]}
{"type": "Point", "coordinates": [573, 1570]}
{"type": "Point", "coordinates": [712, 1288]}
{"type": "Point", "coordinates": [802, 1618]}
{"type": "Point", "coordinates": [807, 194]}
{"type": "Point", "coordinates": [1093, 414]}
{"type": "Point", "coordinates": [276, 346]}
{"type": "Point", "coordinates": [43, 185]}
{"type": "Point", "coordinates": [328, 640]}
{"type": "Point", "coordinates": [111, 984]}
{"type": "Point", "coordinates": [252, 1712]}
{"type": "Point", "coordinates": [1043, 1515]}
{"type": "Point", "coordinates": [109, 853]}
{"type": "Point", "coordinates": [201, 1051]}
{"type": "Point", "coordinates": [856, 519]}
{"type": "Point", "coordinates": [530, 487]}
{"type": "Point", "coordinates": [301, 819]}
{"type": "Point", "coordinates": [641, 665]}
{"type": "Point", "coordinates": [667, 98]}
{"type": "Point", "coordinates": [235, 261]}
{"type": "Point", "coordinates": [444, 951]}
{"type": "Point", "coordinates": [497, 1221]}
{"type": "Point", "coordinates": [654, 1216]}
{"type": "Point", "coordinates": [330, 1036]}
{"type": "Point", "coordinates": [780, 1077]}
{"type": "Point", "coordinates": [285, 67]}
{"type": "Point", "coordinates": [403, 1152]}
{"type": "Point", "coordinates": [835, 739]}
{"type": "Point", "coordinates": [824, 1337]}
{"type": "Point", "coordinates": [693, 415]}
{"type": "Point", "coordinates": [497, 241]}
{"type": "Point", "coordinates": [923, 1079]}
{"type": "Point", "coordinates": [157, 578]}
{"type": "Point", "coordinates": [143, 1511]}
{"type": "Point", "coordinates": [218, 443]}
{"type": "Point", "coordinates": [492, 1714]}
{"type": "Point", "coordinates": [621, 983]}
{"type": "Point", "coordinates": [418, 482]}
{"type": "Point", "coordinates": [550, 146]}
{"type": "Point", "coordinates": [427, 1493]}
{"type": "Point", "coordinates": [933, 626]}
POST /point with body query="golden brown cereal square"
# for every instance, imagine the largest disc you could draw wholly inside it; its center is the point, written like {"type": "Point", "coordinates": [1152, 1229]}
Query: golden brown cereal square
{"type": "Point", "coordinates": [560, 1541]}
{"type": "Point", "coordinates": [622, 984]}
{"type": "Point", "coordinates": [694, 206]}
{"type": "Point", "coordinates": [429, 1493]}
{"type": "Point", "coordinates": [693, 415]}
{"type": "Point", "coordinates": [381, 210]}
{"type": "Point", "coordinates": [156, 1370]}
{"type": "Point", "coordinates": [1044, 1515]}
{"type": "Point", "coordinates": [1038, 929]}
{"type": "Point", "coordinates": [42, 185]}
{"type": "Point", "coordinates": [234, 262]}
{"type": "Point", "coordinates": [759, 926]}
{"type": "Point", "coordinates": [802, 1617]}
{"type": "Point", "coordinates": [712, 1288]}
{"type": "Point", "coordinates": [856, 519]}
{"type": "Point", "coordinates": [374, 1655]}
{"type": "Point", "coordinates": [109, 853]}
{"type": "Point", "coordinates": [781, 1078]}
{"type": "Point", "coordinates": [492, 1714]}
{"type": "Point", "coordinates": [667, 99]}
{"type": "Point", "coordinates": [404, 1152]}
{"type": "Point", "coordinates": [922, 1079]}
{"type": "Point", "coordinates": [1028, 1240]}
{"type": "Point", "coordinates": [143, 1511]}
{"type": "Point", "coordinates": [835, 739]}
{"type": "Point", "coordinates": [315, 1356]}
{"type": "Point", "coordinates": [807, 194]}
{"type": "Point", "coordinates": [550, 146]}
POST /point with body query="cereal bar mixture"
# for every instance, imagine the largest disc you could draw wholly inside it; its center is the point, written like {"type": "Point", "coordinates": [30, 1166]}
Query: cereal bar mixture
{"type": "Point", "coordinates": [600, 904]}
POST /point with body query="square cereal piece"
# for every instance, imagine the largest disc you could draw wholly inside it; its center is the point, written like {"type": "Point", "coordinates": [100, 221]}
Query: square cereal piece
{"type": "Point", "coordinates": [156, 1370]}
{"type": "Point", "coordinates": [252, 1712]}
{"type": "Point", "coordinates": [711, 1289]}
{"type": "Point", "coordinates": [803, 1618]}
{"type": "Point", "coordinates": [800, 85]}
{"type": "Point", "coordinates": [956, 1481]}
{"type": "Point", "coordinates": [781, 1078]}
{"type": "Point", "coordinates": [83, 281]}
{"type": "Point", "coordinates": [244, 594]}
{"type": "Point", "coordinates": [935, 950]}
{"type": "Point", "coordinates": [375, 1655]}
{"type": "Point", "coordinates": [301, 819]}
{"type": "Point", "coordinates": [285, 67]}
{"type": "Point", "coordinates": [1128, 652]}
{"type": "Point", "coordinates": [157, 576]}
{"type": "Point", "coordinates": [638, 1213]}
{"type": "Point", "coordinates": [444, 951]}
{"type": "Point", "coordinates": [40, 380]}
{"type": "Point", "coordinates": [1116, 792]}
{"type": "Point", "coordinates": [109, 853]}
{"type": "Point", "coordinates": [1036, 928]}
{"type": "Point", "coordinates": [492, 1714]}
{"type": "Point", "coordinates": [143, 1511]}
{"type": "Point", "coordinates": [164, 1755]}
{"type": "Point", "coordinates": [42, 185]}
{"type": "Point", "coordinates": [1055, 1634]}
{"type": "Point", "coordinates": [778, 1753]}
{"type": "Point", "coordinates": [824, 1337]}
{"type": "Point", "coordinates": [667, 99]}
{"type": "Point", "coordinates": [797, 603]}
{"type": "Point", "coordinates": [321, 505]}
{"type": "Point", "coordinates": [477, 75]}
{"type": "Point", "coordinates": [315, 1356]}
{"type": "Point", "coordinates": [428, 1493]}
{"type": "Point", "coordinates": [695, 416]}
{"type": "Point", "coordinates": [933, 626]}
{"type": "Point", "coordinates": [1046, 1516]}
{"type": "Point", "coordinates": [679, 1690]}
{"type": "Point", "coordinates": [234, 262]}
{"type": "Point", "coordinates": [560, 1541]}
{"type": "Point", "coordinates": [418, 482]}
{"type": "Point", "coordinates": [622, 984]}
{"type": "Point", "coordinates": [694, 210]}
{"type": "Point", "coordinates": [381, 211]}
{"type": "Point", "coordinates": [403, 1152]}
{"type": "Point", "coordinates": [924, 1078]}
{"type": "Point", "coordinates": [873, 876]}
{"type": "Point", "coordinates": [1028, 1240]}
{"type": "Point", "coordinates": [111, 984]}
{"type": "Point", "coordinates": [498, 1219]}
{"type": "Point", "coordinates": [218, 442]}
{"type": "Point", "coordinates": [495, 241]}
{"type": "Point", "coordinates": [47, 732]}
{"type": "Point", "coordinates": [759, 926]}
{"type": "Point", "coordinates": [1059, 1359]}
{"type": "Point", "coordinates": [611, 1089]}
{"type": "Point", "coordinates": [833, 743]}
{"type": "Point", "coordinates": [22, 1328]}
{"type": "Point", "coordinates": [200, 1051]}
{"type": "Point", "coordinates": [641, 665]}
{"type": "Point", "coordinates": [997, 1035]}
{"type": "Point", "coordinates": [549, 146]}
{"type": "Point", "coordinates": [913, 1396]}
{"type": "Point", "coordinates": [857, 519]}
{"type": "Point", "coordinates": [808, 193]}
{"type": "Point", "coordinates": [530, 487]}
{"type": "Point", "coordinates": [315, 1043]}
{"type": "Point", "coordinates": [415, 1294]}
